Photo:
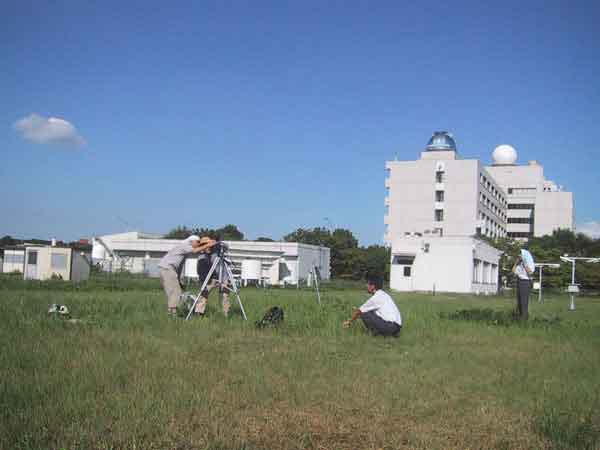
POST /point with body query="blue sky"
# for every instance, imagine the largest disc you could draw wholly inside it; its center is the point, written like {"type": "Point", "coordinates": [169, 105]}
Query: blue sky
{"type": "Point", "coordinates": [276, 115]}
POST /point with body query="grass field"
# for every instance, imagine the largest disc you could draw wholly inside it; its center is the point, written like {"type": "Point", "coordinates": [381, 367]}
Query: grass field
{"type": "Point", "coordinates": [461, 376]}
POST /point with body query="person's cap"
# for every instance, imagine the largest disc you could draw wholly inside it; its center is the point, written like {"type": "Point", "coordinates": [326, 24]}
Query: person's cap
{"type": "Point", "coordinates": [193, 237]}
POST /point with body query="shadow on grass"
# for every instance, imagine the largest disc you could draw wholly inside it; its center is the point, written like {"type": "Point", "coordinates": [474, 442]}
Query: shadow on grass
{"type": "Point", "coordinates": [500, 318]}
{"type": "Point", "coordinates": [569, 431]}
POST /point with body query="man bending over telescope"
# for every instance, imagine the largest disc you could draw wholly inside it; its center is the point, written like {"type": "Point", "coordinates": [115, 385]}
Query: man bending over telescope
{"type": "Point", "coordinates": [171, 263]}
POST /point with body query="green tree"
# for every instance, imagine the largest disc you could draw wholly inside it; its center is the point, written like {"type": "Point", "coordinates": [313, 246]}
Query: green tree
{"type": "Point", "coordinates": [179, 232]}
{"type": "Point", "coordinates": [348, 260]}
{"type": "Point", "coordinates": [227, 233]}
{"type": "Point", "coordinates": [230, 233]}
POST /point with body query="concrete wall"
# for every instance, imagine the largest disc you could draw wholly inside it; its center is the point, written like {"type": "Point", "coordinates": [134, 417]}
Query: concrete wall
{"type": "Point", "coordinates": [553, 210]}
{"type": "Point", "coordinates": [80, 268]}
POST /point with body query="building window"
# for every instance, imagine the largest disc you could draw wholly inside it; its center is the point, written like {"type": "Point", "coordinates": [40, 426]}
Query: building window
{"type": "Point", "coordinates": [32, 258]}
{"type": "Point", "coordinates": [407, 270]}
{"type": "Point", "coordinates": [439, 196]}
{"type": "Point", "coordinates": [439, 177]}
{"type": "Point", "coordinates": [403, 260]}
{"type": "Point", "coordinates": [515, 234]}
{"type": "Point", "coordinates": [519, 220]}
{"type": "Point", "coordinates": [439, 215]}
{"type": "Point", "coordinates": [14, 258]}
{"type": "Point", "coordinates": [58, 261]}
{"type": "Point", "coordinates": [521, 206]}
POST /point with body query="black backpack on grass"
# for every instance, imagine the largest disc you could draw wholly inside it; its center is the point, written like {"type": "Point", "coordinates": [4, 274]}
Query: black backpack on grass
{"type": "Point", "coordinates": [274, 316]}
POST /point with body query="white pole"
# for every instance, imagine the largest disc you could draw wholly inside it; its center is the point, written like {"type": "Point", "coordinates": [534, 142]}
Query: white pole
{"type": "Point", "coordinates": [540, 290]}
{"type": "Point", "coordinates": [572, 305]}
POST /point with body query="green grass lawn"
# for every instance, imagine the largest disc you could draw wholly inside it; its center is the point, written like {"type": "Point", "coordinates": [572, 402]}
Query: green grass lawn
{"type": "Point", "coordinates": [126, 376]}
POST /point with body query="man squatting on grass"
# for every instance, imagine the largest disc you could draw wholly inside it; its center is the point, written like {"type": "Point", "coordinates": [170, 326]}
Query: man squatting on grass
{"type": "Point", "coordinates": [379, 313]}
{"type": "Point", "coordinates": [170, 264]}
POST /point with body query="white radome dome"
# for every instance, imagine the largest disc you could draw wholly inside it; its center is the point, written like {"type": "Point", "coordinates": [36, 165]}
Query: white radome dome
{"type": "Point", "coordinates": [504, 155]}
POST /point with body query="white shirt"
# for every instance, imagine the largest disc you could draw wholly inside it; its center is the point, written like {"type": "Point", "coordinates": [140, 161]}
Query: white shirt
{"type": "Point", "coordinates": [521, 272]}
{"type": "Point", "coordinates": [384, 307]}
{"type": "Point", "coordinates": [174, 257]}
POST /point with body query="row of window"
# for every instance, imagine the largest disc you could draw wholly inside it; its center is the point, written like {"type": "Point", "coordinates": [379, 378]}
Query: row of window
{"type": "Point", "coordinates": [438, 230]}
{"type": "Point", "coordinates": [520, 220]}
{"type": "Point", "coordinates": [521, 191]}
{"type": "Point", "coordinates": [484, 272]}
{"type": "Point", "coordinates": [12, 258]}
{"type": "Point", "coordinates": [492, 228]}
{"type": "Point", "coordinates": [57, 260]}
{"type": "Point", "coordinates": [485, 201]}
{"type": "Point", "coordinates": [489, 232]}
{"type": "Point", "coordinates": [519, 234]}
{"type": "Point", "coordinates": [521, 206]}
{"type": "Point", "coordinates": [493, 190]}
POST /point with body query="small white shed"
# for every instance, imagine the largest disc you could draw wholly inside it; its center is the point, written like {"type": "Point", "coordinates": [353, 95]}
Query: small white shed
{"type": "Point", "coordinates": [46, 262]}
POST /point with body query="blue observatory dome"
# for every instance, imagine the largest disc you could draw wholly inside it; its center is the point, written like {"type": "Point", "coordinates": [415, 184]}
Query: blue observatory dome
{"type": "Point", "coordinates": [441, 140]}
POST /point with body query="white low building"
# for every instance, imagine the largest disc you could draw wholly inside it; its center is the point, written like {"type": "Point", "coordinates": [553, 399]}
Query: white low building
{"type": "Point", "coordinates": [13, 261]}
{"type": "Point", "coordinates": [444, 264]}
{"type": "Point", "coordinates": [275, 263]}
{"type": "Point", "coordinates": [43, 262]}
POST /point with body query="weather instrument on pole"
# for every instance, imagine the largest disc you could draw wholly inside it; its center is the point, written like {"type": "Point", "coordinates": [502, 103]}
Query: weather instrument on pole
{"type": "Point", "coordinates": [574, 287]}
{"type": "Point", "coordinates": [541, 266]}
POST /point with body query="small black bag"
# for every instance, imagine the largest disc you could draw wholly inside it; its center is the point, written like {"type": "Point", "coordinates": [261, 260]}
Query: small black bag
{"type": "Point", "coordinates": [274, 316]}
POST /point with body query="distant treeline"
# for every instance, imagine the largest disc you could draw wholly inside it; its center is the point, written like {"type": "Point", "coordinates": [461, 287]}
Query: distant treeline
{"type": "Point", "coordinates": [549, 249]}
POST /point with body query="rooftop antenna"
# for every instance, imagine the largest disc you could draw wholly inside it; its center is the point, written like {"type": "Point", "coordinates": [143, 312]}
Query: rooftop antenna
{"type": "Point", "coordinates": [574, 287]}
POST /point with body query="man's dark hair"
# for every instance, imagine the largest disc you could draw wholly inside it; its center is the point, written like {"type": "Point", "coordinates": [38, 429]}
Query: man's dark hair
{"type": "Point", "coordinates": [376, 281]}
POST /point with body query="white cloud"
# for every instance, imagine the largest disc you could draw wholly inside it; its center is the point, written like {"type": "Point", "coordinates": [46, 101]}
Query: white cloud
{"type": "Point", "coordinates": [592, 229]}
{"type": "Point", "coordinates": [48, 130]}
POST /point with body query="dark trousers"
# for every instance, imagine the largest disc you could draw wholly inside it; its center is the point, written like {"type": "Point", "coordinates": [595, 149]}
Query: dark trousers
{"type": "Point", "coordinates": [523, 290]}
{"type": "Point", "coordinates": [379, 327]}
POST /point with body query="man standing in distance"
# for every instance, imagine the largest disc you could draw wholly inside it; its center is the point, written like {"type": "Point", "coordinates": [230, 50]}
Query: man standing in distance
{"type": "Point", "coordinates": [523, 269]}
{"type": "Point", "coordinates": [170, 264]}
{"type": "Point", "coordinates": [379, 313]}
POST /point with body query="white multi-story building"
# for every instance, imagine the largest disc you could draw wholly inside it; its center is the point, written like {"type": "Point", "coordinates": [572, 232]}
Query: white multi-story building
{"type": "Point", "coordinates": [443, 202]}
{"type": "Point", "coordinates": [536, 206]}
{"type": "Point", "coordinates": [443, 195]}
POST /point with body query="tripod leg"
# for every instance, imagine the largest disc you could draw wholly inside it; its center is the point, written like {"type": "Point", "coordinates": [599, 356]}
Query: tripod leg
{"type": "Point", "coordinates": [235, 290]}
{"type": "Point", "coordinates": [314, 274]}
{"type": "Point", "coordinates": [206, 280]}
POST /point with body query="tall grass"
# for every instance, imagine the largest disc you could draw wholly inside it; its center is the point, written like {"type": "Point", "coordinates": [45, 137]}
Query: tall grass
{"type": "Point", "coordinates": [123, 375]}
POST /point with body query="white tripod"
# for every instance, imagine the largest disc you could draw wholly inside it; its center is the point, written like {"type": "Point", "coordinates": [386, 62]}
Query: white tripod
{"type": "Point", "coordinates": [223, 265]}
{"type": "Point", "coordinates": [314, 274]}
